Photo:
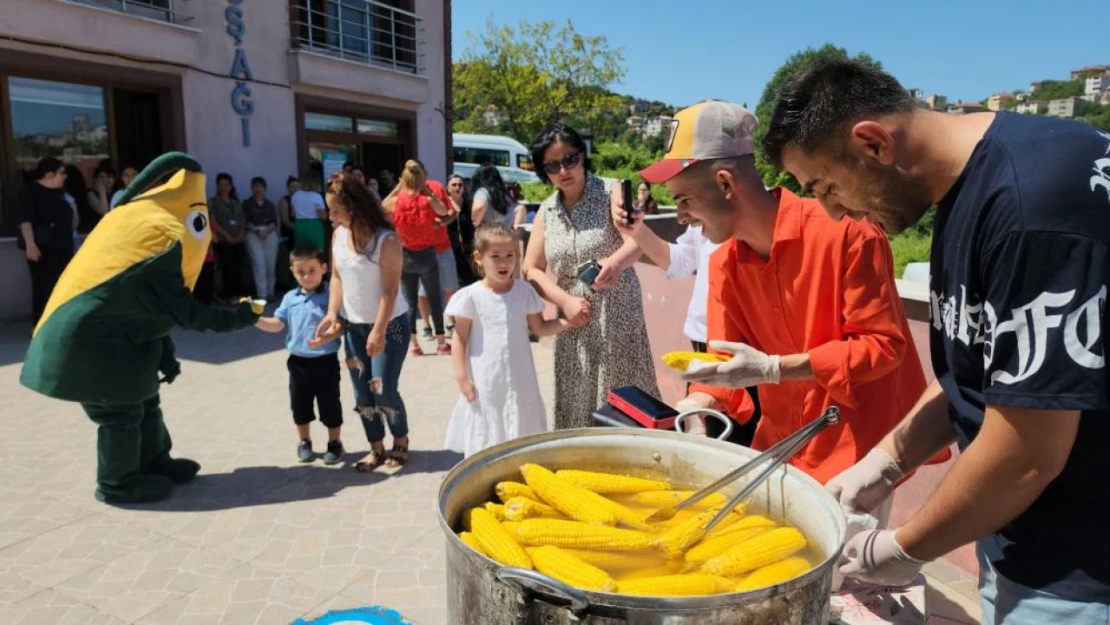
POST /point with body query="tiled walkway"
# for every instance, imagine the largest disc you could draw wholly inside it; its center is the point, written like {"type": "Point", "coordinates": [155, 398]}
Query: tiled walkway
{"type": "Point", "coordinates": [258, 538]}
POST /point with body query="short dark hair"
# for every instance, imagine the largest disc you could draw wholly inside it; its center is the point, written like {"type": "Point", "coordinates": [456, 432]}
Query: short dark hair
{"type": "Point", "coordinates": [348, 165]}
{"type": "Point", "coordinates": [552, 134]}
{"type": "Point", "coordinates": [291, 179]}
{"type": "Point", "coordinates": [258, 180]}
{"type": "Point", "coordinates": [306, 252]}
{"type": "Point", "coordinates": [46, 165]}
{"type": "Point", "coordinates": [815, 105]}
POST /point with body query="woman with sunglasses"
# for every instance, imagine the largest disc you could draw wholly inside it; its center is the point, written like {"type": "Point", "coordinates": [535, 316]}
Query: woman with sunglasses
{"type": "Point", "coordinates": [609, 346]}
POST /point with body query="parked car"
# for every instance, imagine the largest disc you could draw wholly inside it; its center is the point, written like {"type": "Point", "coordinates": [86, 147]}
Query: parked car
{"type": "Point", "coordinates": [509, 155]}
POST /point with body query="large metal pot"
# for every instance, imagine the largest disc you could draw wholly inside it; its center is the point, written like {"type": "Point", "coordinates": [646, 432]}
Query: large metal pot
{"type": "Point", "coordinates": [482, 592]}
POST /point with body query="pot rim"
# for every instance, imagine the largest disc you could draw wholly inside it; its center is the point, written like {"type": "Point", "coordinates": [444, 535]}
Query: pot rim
{"type": "Point", "coordinates": [637, 602]}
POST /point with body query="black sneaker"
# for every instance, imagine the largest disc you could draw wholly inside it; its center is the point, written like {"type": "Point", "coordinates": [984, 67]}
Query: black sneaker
{"type": "Point", "coordinates": [334, 454]}
{"type": "Point", "coordinates": [428, 336]}
{"type": "Point", "coordinates": [304, 451]}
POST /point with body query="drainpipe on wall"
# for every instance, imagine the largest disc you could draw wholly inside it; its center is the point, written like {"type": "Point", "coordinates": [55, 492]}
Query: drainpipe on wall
{"type": "Point", "coordinates": [448, 99]}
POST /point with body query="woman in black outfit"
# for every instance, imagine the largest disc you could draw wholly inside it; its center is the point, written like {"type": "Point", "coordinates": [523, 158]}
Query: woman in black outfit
{"type": "Point", "coordinates": [46, 225]}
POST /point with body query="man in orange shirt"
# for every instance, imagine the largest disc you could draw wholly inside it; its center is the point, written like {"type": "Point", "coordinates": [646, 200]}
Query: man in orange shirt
{"type": "Point", "coordinates": [807, 306]}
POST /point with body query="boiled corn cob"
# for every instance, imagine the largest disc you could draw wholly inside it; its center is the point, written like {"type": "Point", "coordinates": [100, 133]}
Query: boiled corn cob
{"type": "Point", "coordinates": [508, 490]}
{"type": "Point", "coordinates": [670, 498]}
{"type": "Point", "coordinates": [496, 509]}
{"type": "Point", "coordinates": [676, 540]}
{"type": "Point", "coordinates": [520, 508]}
{"type": "Point", "coordinates": [539, 532]}
{"type": "Point", "coordinates": [614, 561]}
{"type": "Point", "coordinates": [472, 541]}
{"type": "Point", "coordinates": [607, 483]}
{"type": "Point", "coordinates": [717, 543]}
{"type": "Point", "coordinates": [676, 585]}
{"type": "Point", "coordinates": [565, 497]}
{"type": "Point", "coordinates": [624, 515]}
{"type": "Point", "coordinates": [756, 553]}
{"type": "Point", "coordinates": [498, 543]}
{"type": "Point", "coordinates": [511, 527]}
{"type": "Point", "coordinates": [681, 360]}
{"type": "Point", "coordinates": [776, 573]}
{"type": "Point", "coordinates": [668, 567]}
{"type": "Point", "coordinates": [565, 567]}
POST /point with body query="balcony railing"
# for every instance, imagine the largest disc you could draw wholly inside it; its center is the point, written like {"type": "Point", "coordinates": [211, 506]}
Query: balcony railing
{"type": "Point", "coordinates": [162, 10]}
{"type": "Point", "coordinates": [364, 31]}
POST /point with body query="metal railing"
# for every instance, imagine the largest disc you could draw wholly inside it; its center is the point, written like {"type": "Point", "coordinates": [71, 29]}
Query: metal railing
{"type": "Point", "coordinates": [365, 31]}
{"type": "Point", "coordinates": [162, 10]}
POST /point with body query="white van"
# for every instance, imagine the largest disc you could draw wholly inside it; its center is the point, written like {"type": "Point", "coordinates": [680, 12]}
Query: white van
{"type": "Point", "coordinates": [509, 155]}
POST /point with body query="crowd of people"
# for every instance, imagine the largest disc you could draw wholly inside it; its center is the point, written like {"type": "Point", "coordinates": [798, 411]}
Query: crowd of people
{"type": "Point", "coordinates": [805, 308]}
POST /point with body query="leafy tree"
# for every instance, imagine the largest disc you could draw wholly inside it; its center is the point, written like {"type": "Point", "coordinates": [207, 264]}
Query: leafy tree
{"type": "Point", "coordinates": [1056, 89]}
{"type": "Point", "coordinates": [536, 74]}
{"type": "Point", "coordinates": [1097, 116]}
{"type": "Point", "coordinates": [794, 66]}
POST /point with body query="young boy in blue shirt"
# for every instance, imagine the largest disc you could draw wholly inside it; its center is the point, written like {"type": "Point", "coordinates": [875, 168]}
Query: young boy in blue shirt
{"type": "Point", "coordinates": [313, 363]}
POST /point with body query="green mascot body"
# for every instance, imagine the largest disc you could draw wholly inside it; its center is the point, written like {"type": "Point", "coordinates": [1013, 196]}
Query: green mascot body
{"type": "Point", "coordinates": [104, 338]}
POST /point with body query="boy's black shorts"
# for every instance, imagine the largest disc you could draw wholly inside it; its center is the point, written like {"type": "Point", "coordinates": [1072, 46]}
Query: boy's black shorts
{"type": "Point", "coordinates": [316, 379]}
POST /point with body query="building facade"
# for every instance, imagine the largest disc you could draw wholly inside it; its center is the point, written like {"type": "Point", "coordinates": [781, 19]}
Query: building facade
{"type": "Point", "coordinates": [999, 101]}
{"type": "Point", "coordinates": [1066, 108]}
{"type": "Point", "coordinates": [271, 89]}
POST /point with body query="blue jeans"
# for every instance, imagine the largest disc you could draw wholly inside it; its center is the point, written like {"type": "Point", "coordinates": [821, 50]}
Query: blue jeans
{"type": "Point", "coordinates": [1008, 603]}
{"type": "Point", "coordinates": [377, 398]}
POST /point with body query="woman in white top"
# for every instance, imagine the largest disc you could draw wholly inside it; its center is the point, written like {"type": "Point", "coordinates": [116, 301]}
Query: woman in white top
{"type": "Point", "coordinates": [492, 202]}
{"type": "Point", "coordinates": [366, 277]}
{"type": "Point", "coordinates": [309, 211]}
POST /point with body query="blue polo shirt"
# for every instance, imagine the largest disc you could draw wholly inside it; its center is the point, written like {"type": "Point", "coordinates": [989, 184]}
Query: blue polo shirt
{"type": "Point", "coordinates": [301, 313]}
{"type": "Point", "coordinates": [1020, 271]}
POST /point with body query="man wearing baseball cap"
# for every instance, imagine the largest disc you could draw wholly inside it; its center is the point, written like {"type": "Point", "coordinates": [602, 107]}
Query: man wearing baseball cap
{"type": "Point", "coordinates": [805, 306]}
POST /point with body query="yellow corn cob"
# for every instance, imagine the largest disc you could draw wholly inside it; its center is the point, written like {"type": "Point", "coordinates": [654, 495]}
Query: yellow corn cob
{"type": "Point", "coordinates": [614, 561]}
{"type": "Point", "coordinates": [718, 543]}
{"type": "Point", "coordinates": [676, 585]}
{"type": "Point", "coordinates": [776, 573]}
{"type": "Point", "coordinates": [756, 553]}
{"type": "Point", "coordinates": [511, 527]}
{"type": "Point", "coordinates": [624, 515]}
{"type": "Point", "coordinates": [676, 540]}
{"type": "Point", "coordinates": [680, 517]}
{"type": "Point", "coordinates": [607, 483]}
{"type": "Point", "coordinates": [496, 509]}
{"type": "Point", "coordinates": [508, 490]}
{"type": "Point", "coordinates": [670, 498]}
{"type": "Point", "coordinates": [565, 497]}
{"type": "Point", "coordinates": [472, 541]}
{"type": "Point", "coordinates": [540, 532]}
{"type": "Point", "coordinates": [681, 360]}
{"type": "Point", "coordinates": [668, 567]}
{"type": "Point", "coordinates": [520, 508]}
{"type": "Point", "coordinates": [565, 567]}
{"type": "Point", "coordinates": [498, 543]}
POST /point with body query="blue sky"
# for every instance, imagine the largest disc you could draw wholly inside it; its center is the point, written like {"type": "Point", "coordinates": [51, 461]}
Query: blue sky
{"type": "Point", "coordinates": [965, 50]}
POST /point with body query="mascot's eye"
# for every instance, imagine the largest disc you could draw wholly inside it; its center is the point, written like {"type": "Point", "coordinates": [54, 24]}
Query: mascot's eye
{"type": "Point", "coordinates": [197, 223]}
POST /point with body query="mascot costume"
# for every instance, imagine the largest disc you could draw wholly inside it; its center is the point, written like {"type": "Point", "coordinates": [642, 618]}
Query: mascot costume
{"type": "Point", "coordinates": [104, 337]}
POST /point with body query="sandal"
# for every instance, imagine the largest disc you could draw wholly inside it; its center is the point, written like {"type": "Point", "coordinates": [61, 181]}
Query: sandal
{"type": "Point", "coordinates": [416, 351]}
{"type": "Point", "coordinates": [376, 459]}
{"type": "Point", "coordinates": [398, 456]}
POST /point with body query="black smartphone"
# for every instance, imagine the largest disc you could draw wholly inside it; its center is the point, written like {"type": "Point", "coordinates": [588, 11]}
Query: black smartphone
{"type": "Point", "coordinates": [626, 197]}
{"type": "Point", "coordinates": [647, 405]}
{"type": "Point", "coordinates": [587, 272]}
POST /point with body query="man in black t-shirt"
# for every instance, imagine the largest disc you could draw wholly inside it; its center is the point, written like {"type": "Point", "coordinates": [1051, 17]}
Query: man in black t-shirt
{"type": "Point", "coordinates": [1019, 273]}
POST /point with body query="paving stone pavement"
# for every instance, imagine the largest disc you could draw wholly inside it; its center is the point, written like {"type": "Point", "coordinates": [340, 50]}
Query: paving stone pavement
{"type": "Point", "coordinates": [258, 538]}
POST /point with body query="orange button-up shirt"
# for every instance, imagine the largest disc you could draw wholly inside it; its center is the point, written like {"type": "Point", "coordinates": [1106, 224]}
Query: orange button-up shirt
{"type": "Point", "coordinates": [827, 290]}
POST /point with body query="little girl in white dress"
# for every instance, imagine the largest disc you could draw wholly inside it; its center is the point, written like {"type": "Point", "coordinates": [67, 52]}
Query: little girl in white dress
{"type": "Point", "coordinates": [491, 351]}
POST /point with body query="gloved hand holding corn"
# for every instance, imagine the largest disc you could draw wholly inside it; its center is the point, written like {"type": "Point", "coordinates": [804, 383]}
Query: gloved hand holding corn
{"type": "Point", "coordinates": [587, 530]}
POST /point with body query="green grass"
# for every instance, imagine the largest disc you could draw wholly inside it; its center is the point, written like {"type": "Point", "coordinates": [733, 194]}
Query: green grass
{"type": "Point", "coordinates": [909, 247]}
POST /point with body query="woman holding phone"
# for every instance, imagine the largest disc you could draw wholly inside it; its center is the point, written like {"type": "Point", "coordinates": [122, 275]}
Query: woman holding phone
{"type": "Point", "coordinates": [609, 347]}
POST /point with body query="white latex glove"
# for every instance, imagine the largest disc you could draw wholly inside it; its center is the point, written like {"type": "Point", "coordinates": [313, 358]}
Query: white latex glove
{"type": "Point", "coordinates": [748, 367]}
{"type": "Point", "coordinates": [877, 558]}
{"type": "Point", "coordinates": [695, 425]}
{"type": "Point", "coordinates": [867, 483]}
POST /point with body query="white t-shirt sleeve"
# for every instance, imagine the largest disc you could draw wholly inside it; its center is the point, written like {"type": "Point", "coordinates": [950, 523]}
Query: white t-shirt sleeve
{"type": "Point", "coordinates": [684, 254]}
{"type": "Point", "coordinates": [462, 304]}
{"type": "Point", "coordinates": [535, 302]}
{"type": "Point", "coordinates": [318, 201]}
{"type": "Point", "coordinates": [481, 196]}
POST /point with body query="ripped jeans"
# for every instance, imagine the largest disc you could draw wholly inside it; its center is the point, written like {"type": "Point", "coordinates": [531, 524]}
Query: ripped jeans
{"type": "Point", "coordinates": [377, 398]}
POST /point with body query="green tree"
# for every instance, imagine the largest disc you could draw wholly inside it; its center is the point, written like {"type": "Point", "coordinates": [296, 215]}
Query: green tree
{"type": "Point", "coordinates": [794, 66]}
{"type": "Point", "coordinates": [536, 74]}
{"type": "Point", "coordinates": [1056, 89]}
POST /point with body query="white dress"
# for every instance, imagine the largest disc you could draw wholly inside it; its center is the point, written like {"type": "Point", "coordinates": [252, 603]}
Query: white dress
{"type": "Point", "coordinates": [499, 360]}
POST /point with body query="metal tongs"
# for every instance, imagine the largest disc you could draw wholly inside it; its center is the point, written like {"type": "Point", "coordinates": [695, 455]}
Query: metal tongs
{"type": "Point", "coordinates": [779, 454]}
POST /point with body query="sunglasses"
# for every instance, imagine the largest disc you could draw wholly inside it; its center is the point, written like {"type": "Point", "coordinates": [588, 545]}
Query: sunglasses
{"type": "Point", "coordinates": [570, 161]}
